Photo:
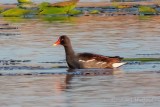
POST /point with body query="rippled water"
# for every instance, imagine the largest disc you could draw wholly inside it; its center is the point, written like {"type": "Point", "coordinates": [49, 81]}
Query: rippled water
{"type": "Point", "coordinates": [39, 70]}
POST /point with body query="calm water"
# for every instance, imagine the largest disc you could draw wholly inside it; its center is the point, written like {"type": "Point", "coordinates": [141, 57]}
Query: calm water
{"type": "Point", "coordinates": [28, 42]}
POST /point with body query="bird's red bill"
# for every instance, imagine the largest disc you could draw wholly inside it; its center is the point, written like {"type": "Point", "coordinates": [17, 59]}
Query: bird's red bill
{"type": "Point", "coordinates": [57, 43]}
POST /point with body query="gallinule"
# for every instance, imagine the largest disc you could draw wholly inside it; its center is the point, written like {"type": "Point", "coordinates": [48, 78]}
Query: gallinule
{"type": "Point", "coordinates": [86, 60]}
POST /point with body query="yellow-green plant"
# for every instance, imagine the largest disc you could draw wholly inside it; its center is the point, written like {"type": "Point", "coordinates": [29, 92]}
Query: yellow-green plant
{"type": "Point", "coordinates": [1, 9]}
{"type": "Point", "coordinates": [74, 12]}
{"type": "Point", "coordinates": [94, 12]}
{"type": "Point", "coordinates": [24, 1]}
{"type": "Point", "coordinates": [58, 8]}
{"type": "Point", "coordinates": [15, 12]}
{"type": "Point", "coordinates": [146, 10]}
{"type": "Point", "coordinates": [43, 5]}
{"type": "Point", "coordinates": [115, 4]}
{"type": "Point", "coordinates": [56, 18]}
{"type": "Point", "coordinates": [53, 10]}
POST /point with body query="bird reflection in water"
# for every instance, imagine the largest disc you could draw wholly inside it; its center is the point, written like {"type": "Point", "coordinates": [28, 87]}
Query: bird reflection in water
{"type": "Point", "coordinates": [74, 78]}
{"type": "Point", "coordinates": [66, 83]}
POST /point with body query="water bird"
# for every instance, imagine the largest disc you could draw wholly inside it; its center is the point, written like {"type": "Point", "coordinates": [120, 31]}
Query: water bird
{"type": "Point", "coordinates": [86, 60]}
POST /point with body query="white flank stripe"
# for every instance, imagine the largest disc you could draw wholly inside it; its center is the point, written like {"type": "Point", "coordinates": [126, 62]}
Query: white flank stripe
{"type": "Point", "coordinates": [82, 61]}
{"type": "Point", "coordinates": [98, 62]}
{"type": "Point", "coordinates": [103, 63]}
{"type": "Point", "coordinates": [86, 60]}
{"type": "Point", "coordinates": [90, 60]}
{"type": "Point", "coordinates": [115, 65]}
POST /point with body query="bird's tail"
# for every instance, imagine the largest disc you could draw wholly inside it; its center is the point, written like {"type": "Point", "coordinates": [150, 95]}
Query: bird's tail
{"type": "Point", "coordinates": [116, 65]}
{"type": "Point", "coordinates": [120, 58]}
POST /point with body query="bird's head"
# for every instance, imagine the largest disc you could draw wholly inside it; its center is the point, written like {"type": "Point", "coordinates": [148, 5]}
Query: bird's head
{"type": "Point", "coordinates": [63, 40]}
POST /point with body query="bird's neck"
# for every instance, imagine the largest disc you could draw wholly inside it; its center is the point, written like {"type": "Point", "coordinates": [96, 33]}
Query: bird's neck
{"type": "Point", "coordinates": [69, 51]}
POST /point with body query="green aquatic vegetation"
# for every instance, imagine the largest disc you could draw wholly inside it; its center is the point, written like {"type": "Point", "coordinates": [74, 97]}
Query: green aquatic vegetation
{"type": "Point", "coordinates": [146, 10]}
{"type": "Point", "coordinates": [27, 5]}
{"type": "Point", "coordinates": [120, 6]}
{"type": "Point", "coordinates": [115, 5]}
{"type": "Point", "coordinates": [142, 17]}
{"type": "Point", "coordinates": [53, 10]}
{"type": "Point", "coordinates": [43, 5]}
{"type": "Point", "coordinates": [123, 6]}
{"type": "Point", "coordinates": [74, 12]}
{"type": "Point", "coordinates": [15, 19]}
{"type": "Point", "coordinates": [56, 10]}
{"type": "Point", "coordinates": [94, 12]}
{"type": "Point", "coordinates": [24, 1]}
{"type": "Point", "coordinates": [56, 18]}
{"type": "Point", "coordinates": [15, 12]}
{"type": "Point", "coordinates": [46, 8]}
{"type": "Point", "coordinates": [1, 9]}
{"type": "Point", "coordinates": [142, 59]}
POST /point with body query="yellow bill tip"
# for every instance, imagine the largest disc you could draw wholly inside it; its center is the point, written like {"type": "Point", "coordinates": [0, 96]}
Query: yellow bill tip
{"type": "Point", "coordinates": [54, 44]}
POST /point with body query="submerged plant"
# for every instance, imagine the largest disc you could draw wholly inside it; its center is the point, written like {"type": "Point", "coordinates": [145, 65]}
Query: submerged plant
{"type": "Point", "coordinates": [14, 19]}
{"type": "Point", "coordinates": [1, 9]}
{"type": "Point", "coordinates": [147, 10]}
{"type": "Point", "coordinates": [74, 12]}
{"type": "Point", "coordinates": [56, 18]}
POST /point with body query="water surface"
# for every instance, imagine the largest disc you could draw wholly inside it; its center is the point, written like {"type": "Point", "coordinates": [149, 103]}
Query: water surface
{"type": "Point", "coordinates": [35, 74]}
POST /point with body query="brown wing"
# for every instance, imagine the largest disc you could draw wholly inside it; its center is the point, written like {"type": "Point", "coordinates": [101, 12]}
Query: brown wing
{"type": "Point", "coordinates": [90, 60]}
